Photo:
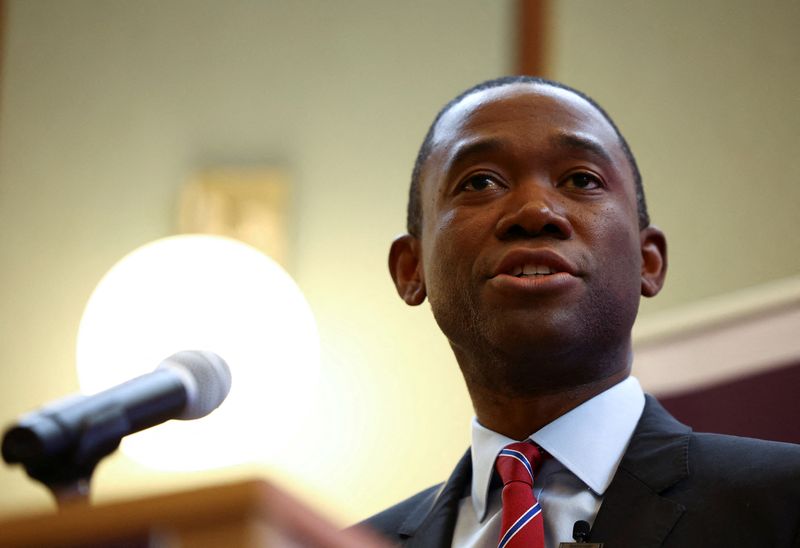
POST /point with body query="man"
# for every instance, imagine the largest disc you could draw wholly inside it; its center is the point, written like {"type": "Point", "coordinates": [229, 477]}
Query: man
{"type": "Point", "coordinates": [528, 233]}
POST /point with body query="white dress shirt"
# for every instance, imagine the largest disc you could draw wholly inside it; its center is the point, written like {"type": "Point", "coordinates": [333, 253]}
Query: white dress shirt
{"type": "Point", "coordinates": [586, 445]}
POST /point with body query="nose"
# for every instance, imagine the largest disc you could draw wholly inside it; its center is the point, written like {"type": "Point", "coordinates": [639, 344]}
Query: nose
{"type": "Point", "coordinates": [533, 210]}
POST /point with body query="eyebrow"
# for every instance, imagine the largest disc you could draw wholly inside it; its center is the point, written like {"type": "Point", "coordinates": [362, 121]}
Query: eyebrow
{"type": "Point", "coordinates": [582, 142]}
{"type": "Point", "coordinates": [474, 148]}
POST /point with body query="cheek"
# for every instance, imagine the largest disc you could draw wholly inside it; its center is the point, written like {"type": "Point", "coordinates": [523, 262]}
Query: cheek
{"type": "Point", "coordinates": [624, 263]}
{"type": "Point", "coordinates": [617, 225]}
{"type": "Point", "coordinates": [614, 243]}
{"type": "Point", "coordinates": [450, 236]}
{"type": "Point", "coordinates": [446, 222]}
{"type": "Point", "coordinates": [452, 246]}
{"type": "Point", "coordinates": [615, 277]}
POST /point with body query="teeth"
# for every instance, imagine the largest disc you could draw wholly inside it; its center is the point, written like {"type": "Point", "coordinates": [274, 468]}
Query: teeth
{"type": "Point", "coordinates": [531, 270]}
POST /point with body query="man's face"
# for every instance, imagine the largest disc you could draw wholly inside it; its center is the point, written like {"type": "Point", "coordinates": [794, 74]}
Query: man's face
{"type": "Point", "coordinates": [530, 245]}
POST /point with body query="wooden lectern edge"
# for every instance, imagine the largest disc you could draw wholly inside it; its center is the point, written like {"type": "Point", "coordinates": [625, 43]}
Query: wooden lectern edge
{"type": "Point", "coordinates": [258, 500]}
{"type": "Point", "coordinates": [295, 517]}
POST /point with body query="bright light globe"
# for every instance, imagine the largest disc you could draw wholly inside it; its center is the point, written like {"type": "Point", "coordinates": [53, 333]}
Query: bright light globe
{"type": "Point", "coordinates": [206, 293]}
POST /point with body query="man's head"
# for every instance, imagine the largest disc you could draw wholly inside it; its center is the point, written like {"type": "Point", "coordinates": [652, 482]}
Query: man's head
{"type": "Point", "coordinates": [531, 241]}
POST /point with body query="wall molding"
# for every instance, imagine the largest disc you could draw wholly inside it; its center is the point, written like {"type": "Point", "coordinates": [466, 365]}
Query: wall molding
{"type": "Point", "coordinates": [720, 338]}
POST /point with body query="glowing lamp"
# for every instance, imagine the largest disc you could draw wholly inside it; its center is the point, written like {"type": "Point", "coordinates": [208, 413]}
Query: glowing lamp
{"type": "Point", "coordinates": [206, 293]}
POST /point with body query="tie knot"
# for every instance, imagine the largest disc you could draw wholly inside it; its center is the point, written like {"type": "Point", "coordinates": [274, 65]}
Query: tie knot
{"type": "Point", "coordinates": [518, 462]}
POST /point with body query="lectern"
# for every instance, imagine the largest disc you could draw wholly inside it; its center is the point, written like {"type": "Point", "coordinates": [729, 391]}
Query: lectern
{"type": "Point", "coordinates": [247, 514]}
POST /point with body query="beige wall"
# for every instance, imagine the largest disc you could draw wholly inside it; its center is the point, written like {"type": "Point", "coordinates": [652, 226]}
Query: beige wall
{"type": "Point", "coordinates": [707, 94]}
{"type": "Point", "coordinates": [108, 107]}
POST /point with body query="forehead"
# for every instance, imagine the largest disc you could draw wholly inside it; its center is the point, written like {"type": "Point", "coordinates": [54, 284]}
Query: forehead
{"type": "Point", "coordinates": [522, 114]}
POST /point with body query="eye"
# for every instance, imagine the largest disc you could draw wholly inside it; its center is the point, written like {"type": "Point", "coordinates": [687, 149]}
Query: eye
{"type": "Point", "coordinates": [583, 180]}
{"type": "Point", "coordinates": [478, 183]}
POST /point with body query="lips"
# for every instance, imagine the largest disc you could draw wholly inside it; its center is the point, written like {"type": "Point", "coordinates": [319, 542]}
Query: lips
{"type": "Point", "coordinates": [528, 263]}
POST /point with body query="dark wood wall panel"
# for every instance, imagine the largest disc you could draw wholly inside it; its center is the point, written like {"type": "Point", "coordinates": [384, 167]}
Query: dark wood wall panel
{"type": "Point", "coordinates": [764, 405]}
{"type": "Point", "coordinates": [532, 37]}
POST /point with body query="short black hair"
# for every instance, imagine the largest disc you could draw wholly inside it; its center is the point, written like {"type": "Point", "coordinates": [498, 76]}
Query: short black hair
{"type": "Point", "coordinates": [414, 214]}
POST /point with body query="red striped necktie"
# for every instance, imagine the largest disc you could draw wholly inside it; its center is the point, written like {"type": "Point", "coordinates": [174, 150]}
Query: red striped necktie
{"type": "Point", "coordinates": [523, 525]}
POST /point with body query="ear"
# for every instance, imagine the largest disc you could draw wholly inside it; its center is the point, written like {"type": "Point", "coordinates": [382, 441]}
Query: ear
{"type": "Point", "coordinates": [405, 266]}
{"type": "Point", "coordinates": [654, 260]}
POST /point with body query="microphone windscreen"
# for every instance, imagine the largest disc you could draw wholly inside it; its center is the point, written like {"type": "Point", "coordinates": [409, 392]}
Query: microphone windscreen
{"type": "Point", "coordinates": [206, 377]}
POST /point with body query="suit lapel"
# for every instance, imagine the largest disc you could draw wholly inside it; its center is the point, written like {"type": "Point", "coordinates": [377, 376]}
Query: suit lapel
{"type": "Point", "coordinates": [633, 512]}
{"type": "Point", "coordinates": [431, 524]}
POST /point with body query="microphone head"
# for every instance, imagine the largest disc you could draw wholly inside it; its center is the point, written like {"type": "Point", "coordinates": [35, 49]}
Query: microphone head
{"type": "Point", "coordinates": [206, 377]}
{"type": "Point", "coordinates": [580, 531]}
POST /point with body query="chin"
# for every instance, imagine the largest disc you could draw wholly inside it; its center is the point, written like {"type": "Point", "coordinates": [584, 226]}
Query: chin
{"type": "Point", "coordinates": [526, 333]}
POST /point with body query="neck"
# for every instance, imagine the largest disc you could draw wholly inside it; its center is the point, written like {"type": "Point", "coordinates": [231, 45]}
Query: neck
{"type": "Point", "coordinates": [517, 417]}
{"type": "Point", "coordinates": [519, 408]}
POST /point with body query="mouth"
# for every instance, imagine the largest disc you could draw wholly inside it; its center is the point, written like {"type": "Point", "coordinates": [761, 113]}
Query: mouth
{"type": "Point", "coordinates": [533, 263]}
{"type": "Point", "coordinates": [531, 270]}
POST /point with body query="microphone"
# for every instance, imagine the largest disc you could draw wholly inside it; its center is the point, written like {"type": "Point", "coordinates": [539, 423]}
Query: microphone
{"type": "Point", "coordinates": [580, 531]}
{"type": "Point", "coordinates": [67, 438]}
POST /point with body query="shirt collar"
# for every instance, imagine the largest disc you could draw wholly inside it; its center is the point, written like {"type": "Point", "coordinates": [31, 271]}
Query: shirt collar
{"type": "Point", "coordinates": [589, 440]}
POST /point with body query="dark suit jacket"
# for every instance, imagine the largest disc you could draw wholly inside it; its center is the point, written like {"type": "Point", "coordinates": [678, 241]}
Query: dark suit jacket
{"type": "Point", "coordinates": [674, 488]}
